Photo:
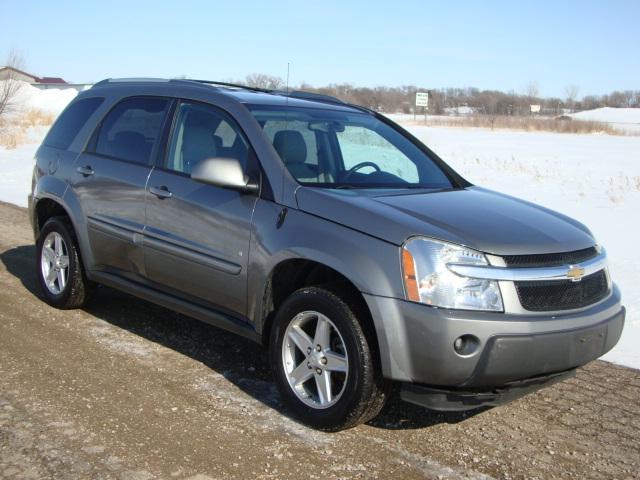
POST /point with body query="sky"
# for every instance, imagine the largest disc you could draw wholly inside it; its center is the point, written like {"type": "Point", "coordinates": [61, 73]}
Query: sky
{"type": "Point", "coordinates": [501, 45]}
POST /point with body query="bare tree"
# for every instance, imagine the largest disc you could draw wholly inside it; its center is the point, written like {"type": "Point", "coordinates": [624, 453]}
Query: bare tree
{"type": "Point", "coordinates": [571, 93]}
{"type": "Point", "coordinates": [533, 89]}
{"type": "Point", "coordinates": [260, 80]}
{"type": "Point", "coordinates": [10, 85]}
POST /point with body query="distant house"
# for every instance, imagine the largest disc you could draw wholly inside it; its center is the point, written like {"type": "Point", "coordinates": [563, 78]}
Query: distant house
{"type": "Point", "coordinates": [56, 80]}
{"type": "Point", "coordinates": [42, 83]}
{"type": "Point", "coordinates": [10, 72]}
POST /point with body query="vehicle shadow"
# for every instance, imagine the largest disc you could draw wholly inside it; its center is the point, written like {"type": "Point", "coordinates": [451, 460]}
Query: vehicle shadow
{"type": "Point", "coordinates": [242, 362]}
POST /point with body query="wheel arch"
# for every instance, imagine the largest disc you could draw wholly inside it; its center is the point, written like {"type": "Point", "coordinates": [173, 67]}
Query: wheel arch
{"type": "Point", "coordinates": [294, 273]}
{"type": "Point", "coordinates": [48, 206]}
{"type": "Point", "coordinates": [44, 209]}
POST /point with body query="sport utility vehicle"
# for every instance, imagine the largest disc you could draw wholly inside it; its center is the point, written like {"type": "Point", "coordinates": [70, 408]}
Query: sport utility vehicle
{"type": "Point", "coordinates": [324, 231]}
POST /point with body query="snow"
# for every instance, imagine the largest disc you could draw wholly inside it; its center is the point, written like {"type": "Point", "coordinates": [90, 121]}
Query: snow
{"type": "Point", "coordinates": [610, 114]}
{"type": "Point", "coordinates": [461, 110]}
{"type": "Point", "coordinates": [52, 100]}
{"type": "Point", "coordinates": [16, 169]}
{"type": "Point", "coordinates": [593, 178]}
{"type": "Point", "coordinates": [621, 118]}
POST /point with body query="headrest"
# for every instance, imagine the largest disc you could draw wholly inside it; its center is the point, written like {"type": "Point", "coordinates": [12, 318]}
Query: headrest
{"type": "Point", "coordinates": [291, 146]}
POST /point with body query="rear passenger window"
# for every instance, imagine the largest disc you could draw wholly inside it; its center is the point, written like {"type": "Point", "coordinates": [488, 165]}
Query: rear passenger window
{"type": "Point", "coordinates": [70, 122]}
{"type": "Point", "coordinates": [131, 129]}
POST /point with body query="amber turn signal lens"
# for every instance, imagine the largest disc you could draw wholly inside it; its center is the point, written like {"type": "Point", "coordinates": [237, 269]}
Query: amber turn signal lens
{"type": "Point", "coordinates": [409, 273]}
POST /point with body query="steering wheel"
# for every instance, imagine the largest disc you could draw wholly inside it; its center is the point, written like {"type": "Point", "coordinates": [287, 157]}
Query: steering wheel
{"type": "Point", "coordinates": [360, 165]}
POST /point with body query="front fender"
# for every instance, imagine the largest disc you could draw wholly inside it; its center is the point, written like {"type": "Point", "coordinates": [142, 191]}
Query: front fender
{"type": "Point", "coordinates": [371, 264]}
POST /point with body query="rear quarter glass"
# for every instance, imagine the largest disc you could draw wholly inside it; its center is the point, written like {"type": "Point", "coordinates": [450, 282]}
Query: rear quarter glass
{"type": "Point", "coordinates": [70, 122]}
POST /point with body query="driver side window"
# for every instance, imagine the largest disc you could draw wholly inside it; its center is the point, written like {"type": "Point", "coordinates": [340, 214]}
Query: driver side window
{"type": "Point", "coordinates": [359, 144]}
{"type": "Point", "coordinates": [201, 132]}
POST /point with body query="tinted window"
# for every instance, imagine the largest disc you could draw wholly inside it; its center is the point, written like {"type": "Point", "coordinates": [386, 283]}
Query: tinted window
{"type": "Point", "coordinates": [131, 129]}
{"type": "Point", "coordinates": [202, 132]}
{"type": "Point", "coordinates": [70, 122]}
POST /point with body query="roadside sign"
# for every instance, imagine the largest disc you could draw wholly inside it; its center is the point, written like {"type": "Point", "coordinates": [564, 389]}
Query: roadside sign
{"type": "Point", "coordinates": [422, 99]}
{"type": "Point", "coordinates": [535, 108]}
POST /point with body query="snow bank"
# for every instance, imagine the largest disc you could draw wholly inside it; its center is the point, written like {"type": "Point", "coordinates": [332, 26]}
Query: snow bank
{"type": "Point", "coordinates": [52, 100]}
{"type": "Point", "coordinates": [621, 118]}
{"type": "Point", "coordinates": [609, 114]}
{"type": "Point", "coordinates": [16, 168]}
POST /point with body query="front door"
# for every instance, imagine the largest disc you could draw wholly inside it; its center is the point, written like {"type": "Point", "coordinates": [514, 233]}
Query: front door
{"type": "Point", "coordinates": [197, 236]}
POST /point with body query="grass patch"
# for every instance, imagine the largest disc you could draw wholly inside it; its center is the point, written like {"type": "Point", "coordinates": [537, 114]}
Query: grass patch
{"type": "Point", "coordinates": [34, 118]}
{"type": "Point", "coordinates": [13, 131]}
{"type": "Point", "coordinates": [526, 124]}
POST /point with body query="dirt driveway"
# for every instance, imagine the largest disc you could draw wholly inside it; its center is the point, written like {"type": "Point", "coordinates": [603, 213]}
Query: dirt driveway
{"type": "Point", "coordinates": [125, 389]}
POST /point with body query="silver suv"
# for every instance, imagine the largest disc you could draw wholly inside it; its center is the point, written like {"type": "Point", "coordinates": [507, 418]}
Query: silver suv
{"type": "Point", "coordinates": [324, 231]}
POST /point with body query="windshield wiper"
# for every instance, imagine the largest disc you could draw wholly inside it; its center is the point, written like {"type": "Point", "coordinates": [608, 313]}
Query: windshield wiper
{"type": "Point", "coordinates": [346, 186]}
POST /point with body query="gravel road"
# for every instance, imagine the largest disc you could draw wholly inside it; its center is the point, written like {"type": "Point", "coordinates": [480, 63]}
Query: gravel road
{"type": "Point", "coordinates": [128, 390]}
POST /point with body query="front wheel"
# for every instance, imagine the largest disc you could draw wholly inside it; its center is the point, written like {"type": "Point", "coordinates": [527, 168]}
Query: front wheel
{"type": "Point", "coordinates": [323, 363]}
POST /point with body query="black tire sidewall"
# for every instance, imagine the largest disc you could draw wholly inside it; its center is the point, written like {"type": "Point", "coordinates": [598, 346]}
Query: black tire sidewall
{"type": "Point", "coordinates": [59, 226]}
{"type": "Point", "coordinates": [356, 347]}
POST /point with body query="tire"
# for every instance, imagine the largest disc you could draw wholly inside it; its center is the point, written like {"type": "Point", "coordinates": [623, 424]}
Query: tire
{"type": "Point", "coordinates": [329, 381]}
{"type": "Point", "coordinates": [58, 265]}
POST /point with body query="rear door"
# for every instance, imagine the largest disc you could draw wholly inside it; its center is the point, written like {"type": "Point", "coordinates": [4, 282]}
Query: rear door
{"type": "Point", "coordinates": [111, 178]}
{"type": "Point", "coordinates": [197, 236]}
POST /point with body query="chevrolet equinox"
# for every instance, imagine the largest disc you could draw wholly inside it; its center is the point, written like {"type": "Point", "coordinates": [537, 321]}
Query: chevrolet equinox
{"type": "Point", "coordinates": [324, 231]}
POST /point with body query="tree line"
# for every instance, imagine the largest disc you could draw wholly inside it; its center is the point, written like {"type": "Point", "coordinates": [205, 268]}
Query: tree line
{"type": "Point", "coordinates": [456, 100]}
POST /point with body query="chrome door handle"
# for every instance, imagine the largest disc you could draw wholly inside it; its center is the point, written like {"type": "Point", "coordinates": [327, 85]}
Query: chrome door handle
{"type": "Point", "coordinates": [161, 191]}
{"type": "Point", "coordinates": [85, 171]}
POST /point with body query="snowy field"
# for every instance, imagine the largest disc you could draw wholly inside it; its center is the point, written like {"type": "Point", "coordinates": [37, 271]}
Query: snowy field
{"type": "Point", "coordinates": [593, 178]}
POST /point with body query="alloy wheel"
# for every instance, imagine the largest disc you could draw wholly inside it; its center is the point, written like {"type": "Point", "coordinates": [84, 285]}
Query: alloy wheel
{"type": "Point", "coordinates": [54, 263]}
{"type": "Point", "coordinates": [315, 360]}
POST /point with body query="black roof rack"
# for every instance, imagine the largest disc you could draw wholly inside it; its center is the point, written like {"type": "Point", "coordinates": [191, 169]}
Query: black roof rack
{"type": "Point", "coordinates": [229, 84]}
{"type": "Point", "coordinates": [299, 94]}
{"type": "Point", "coordinates": [114, 81]}
{"type": "Point", "coordinates": [303, 95]}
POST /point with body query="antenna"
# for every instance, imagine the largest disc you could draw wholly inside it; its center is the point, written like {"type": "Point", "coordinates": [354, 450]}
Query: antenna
{"type": "Point", "coordinates": [286, 120]}
{"type": "Point", "coordinates": [287, 81]}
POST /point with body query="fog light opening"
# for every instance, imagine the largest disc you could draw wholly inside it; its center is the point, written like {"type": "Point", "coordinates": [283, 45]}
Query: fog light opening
{"type": "Point", "coordinates": [466, 345]}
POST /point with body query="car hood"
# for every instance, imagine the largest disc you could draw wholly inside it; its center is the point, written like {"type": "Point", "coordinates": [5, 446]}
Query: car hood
{"type": "Point", "coordinates": [476, 217]}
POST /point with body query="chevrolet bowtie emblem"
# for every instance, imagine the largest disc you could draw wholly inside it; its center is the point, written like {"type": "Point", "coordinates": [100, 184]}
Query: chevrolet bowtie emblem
{"type": "Point", "coordinates": [575, 273]}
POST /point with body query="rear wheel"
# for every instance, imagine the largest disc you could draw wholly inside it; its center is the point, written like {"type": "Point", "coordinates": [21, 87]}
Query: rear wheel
{"type": "Point", "coordinates": [323, 363]}
{"type": "Point", "coordinates": [59, 267]}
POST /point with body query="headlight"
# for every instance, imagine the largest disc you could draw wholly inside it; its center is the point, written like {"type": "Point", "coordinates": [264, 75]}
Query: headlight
{"type": "Point", "coordinates": [428, 280]}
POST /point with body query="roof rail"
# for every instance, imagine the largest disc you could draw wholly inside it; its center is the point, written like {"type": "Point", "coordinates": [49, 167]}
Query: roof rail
{"type": "Point", "coordinates": [107, 81]}
{"type": "Point", "coordinates": [303, 95]}
{"type": "Point", "coordinates": [299, 94]}
{"type": "Point", "coordinates": [228, 84]}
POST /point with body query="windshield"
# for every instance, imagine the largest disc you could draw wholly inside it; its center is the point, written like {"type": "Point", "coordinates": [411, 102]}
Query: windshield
{"type": "Point", "coordinates": [334, 149]}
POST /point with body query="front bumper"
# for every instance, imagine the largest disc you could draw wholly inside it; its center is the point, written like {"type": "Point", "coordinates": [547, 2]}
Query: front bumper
{"type": "Point", "coordinates": [416, 342]}
{"type": "Point", "coordinates": [442, 399]}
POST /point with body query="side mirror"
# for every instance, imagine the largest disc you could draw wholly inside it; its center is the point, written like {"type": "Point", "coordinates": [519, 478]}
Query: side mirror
{"type": "Point", "coordinates": [223, 172]}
